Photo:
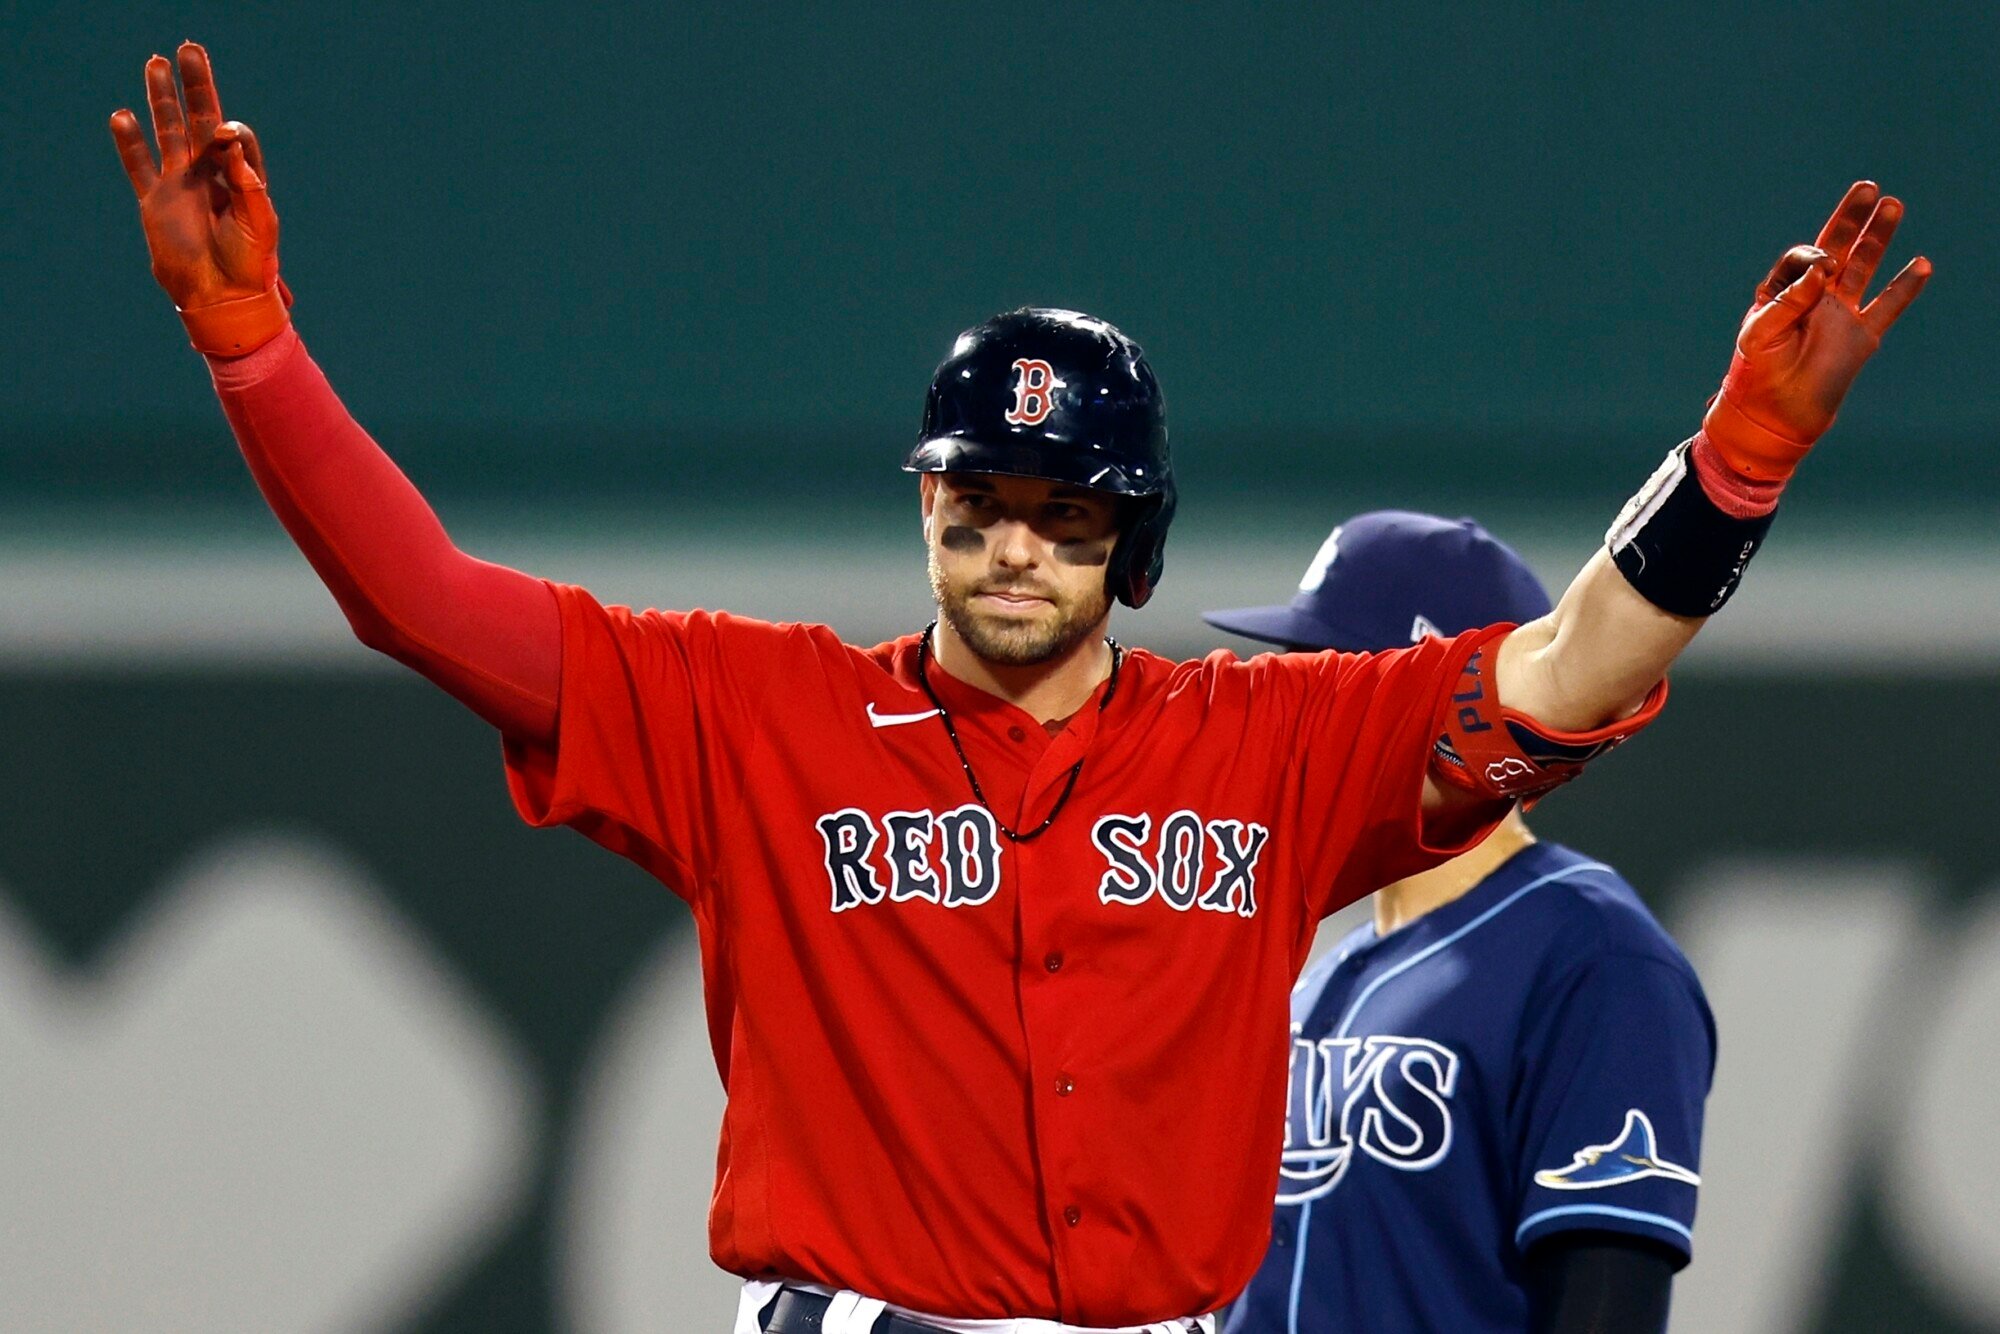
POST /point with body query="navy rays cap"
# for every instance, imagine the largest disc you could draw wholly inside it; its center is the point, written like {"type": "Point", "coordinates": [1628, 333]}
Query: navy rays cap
{"type": "Point", "coordinates": [1390, 577]}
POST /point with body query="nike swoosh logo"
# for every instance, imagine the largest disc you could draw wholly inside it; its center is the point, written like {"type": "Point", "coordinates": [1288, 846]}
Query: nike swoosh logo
{"type": "Point", "coordinates": [897, 719]}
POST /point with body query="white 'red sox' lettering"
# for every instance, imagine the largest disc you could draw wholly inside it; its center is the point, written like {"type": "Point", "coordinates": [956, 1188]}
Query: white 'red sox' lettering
{"type": "Point", "coordinates": [952, 858]}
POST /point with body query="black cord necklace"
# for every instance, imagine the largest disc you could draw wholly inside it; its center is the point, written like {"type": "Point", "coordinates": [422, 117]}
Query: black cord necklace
{"type": "Point", "coordinates": [944, 716]}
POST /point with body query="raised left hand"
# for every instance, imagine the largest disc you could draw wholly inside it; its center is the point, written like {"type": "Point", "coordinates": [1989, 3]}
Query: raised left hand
{"type": "Point", "coordinates": [205, 208]}
{"type": "Point", "coordinates": [1807, 335]}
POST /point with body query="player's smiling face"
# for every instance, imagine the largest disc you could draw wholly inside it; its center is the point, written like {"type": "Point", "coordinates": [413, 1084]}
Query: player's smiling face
{"type": "Point", "coordinates": [1017, 563]}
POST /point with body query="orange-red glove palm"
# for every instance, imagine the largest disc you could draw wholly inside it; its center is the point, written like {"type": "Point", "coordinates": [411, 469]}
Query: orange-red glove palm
{"type": "Point", "coordinates": [209, 224]}
{"type": "Point", "coordinates": [1807, 336]}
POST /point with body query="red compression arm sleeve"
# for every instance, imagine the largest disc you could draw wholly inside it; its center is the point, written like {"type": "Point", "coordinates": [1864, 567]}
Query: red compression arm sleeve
{"type": "Point", "coordinates": [489, 635]}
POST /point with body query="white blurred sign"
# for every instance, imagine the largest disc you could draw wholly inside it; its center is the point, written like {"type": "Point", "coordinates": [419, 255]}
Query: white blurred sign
{"type": "Point", "coordinates": [268, 1109]}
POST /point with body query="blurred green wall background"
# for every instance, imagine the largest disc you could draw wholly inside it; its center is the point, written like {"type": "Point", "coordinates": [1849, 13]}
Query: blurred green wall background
{"type": "Point", "coordinates": [641, 251]}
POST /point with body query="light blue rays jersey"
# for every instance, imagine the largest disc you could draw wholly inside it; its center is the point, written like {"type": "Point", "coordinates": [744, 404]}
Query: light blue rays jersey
{"type": "Point", "coordinates": [1529, 1058]}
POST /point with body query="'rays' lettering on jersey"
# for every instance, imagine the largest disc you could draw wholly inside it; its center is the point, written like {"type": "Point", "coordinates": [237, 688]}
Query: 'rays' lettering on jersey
{"type": "Point", "coordinates": [1389, 1097]}
{"type": "Point", "coordinates": [953, 858]}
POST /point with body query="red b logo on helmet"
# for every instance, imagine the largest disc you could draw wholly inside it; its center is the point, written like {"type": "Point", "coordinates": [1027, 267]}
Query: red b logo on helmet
{"type": "Point", "coordinates": [1032, 402]}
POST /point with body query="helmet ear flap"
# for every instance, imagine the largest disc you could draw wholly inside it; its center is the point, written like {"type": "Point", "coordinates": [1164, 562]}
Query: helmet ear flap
{"type": "Point", "coordinates": [1138, 591]}
{"type": "Point", "coordinates": [1141, 553]}
{"type": "Point", "coordinates": [1126, 575]}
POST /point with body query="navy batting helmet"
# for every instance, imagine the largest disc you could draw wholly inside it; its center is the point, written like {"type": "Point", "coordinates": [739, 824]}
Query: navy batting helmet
{"type": "Point", "coordinates": [1062, 396]}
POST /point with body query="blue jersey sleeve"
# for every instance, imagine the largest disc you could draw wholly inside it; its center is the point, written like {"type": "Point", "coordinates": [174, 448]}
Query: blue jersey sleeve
{"type": "Point", "coordinates": [1608, 1115]}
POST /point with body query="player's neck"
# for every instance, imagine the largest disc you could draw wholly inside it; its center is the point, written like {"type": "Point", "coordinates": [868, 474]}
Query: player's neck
{"type": "Point", "coordinates": [1048, 691]}
{"type": "Point", "coordinates": [1404, 902]}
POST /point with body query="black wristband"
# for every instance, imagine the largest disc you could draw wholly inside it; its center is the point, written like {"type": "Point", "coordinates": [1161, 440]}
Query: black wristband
{"type": "Point", "coordinates": [1677, 547]}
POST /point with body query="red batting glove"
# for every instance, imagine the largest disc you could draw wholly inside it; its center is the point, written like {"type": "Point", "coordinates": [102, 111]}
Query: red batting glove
{"type": "Point", "coordinates": [207, 213]}
{"type": "Point", "coordinates": [1807, 336]}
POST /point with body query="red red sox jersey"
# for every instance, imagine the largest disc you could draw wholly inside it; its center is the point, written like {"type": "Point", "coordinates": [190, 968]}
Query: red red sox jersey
{"type": "Point", "coordinates": [971, 1076]}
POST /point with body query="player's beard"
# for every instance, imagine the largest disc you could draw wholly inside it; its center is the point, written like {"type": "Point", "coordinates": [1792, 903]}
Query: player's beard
{"type": "Point", "coordinates": [1017, 643]}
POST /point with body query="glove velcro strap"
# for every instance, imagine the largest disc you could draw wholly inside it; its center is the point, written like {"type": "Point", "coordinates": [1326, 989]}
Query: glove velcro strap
{"type": "Point", "coordinates": [1677, 547]}
{"type": "Point", "coordinates": [235, 328]}
{"type": "Point", "coordinates": [1496, 752]}
{"type": "Point", "coordinates": [1749, 446]}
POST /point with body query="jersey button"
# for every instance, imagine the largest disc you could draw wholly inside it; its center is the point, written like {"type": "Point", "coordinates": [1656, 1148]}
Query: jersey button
{"type": "Point", "coordinates": [1053, 961]}
{"type": "Point", "coordinates": [1017, 733]}
{"type": "Point", "coordinates": [1064, 1086]}
{"type": "Point", "coordinates": [1072, 1215]}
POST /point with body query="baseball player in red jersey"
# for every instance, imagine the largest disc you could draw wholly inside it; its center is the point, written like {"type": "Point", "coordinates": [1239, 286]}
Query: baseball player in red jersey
{"type": "Point", "coordinates": [998, 920]}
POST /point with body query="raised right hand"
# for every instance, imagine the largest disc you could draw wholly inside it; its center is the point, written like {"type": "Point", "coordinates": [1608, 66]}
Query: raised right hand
{"type": "Point", "coordinates": [1807, 336]}
{"type": "Point", "coordinates": [207, 214]}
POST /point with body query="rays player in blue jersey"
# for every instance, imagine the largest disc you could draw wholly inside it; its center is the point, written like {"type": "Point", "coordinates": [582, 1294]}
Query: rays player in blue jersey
{"type": "Point", "coordinates": [1497, 1085]}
